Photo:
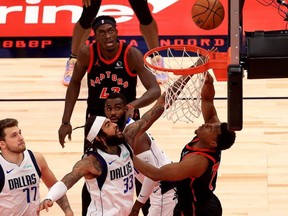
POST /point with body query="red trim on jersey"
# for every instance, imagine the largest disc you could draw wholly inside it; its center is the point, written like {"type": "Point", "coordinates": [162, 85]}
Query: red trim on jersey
{"type": "Point", "coordinates": [91, 57]}
{"type": "Point", "coordinates": [201, 153]}
{"type": "Point", "coordinates": [200, 149]}
{"type": "Point", "coordinates": [194, 197]}
{"type": "Point", "coordinates": [110, 61]}
{"type": "Point", "coordinates": [126, 61]}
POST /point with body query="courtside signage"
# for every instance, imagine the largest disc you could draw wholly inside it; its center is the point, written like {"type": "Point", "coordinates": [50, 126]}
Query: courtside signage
{"type": "Point", "coordinates": [39, 25]}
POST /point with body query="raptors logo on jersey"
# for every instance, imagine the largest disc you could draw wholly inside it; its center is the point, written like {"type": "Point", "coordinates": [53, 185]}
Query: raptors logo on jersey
{"type": "Point", "coordinates": [102, 81]}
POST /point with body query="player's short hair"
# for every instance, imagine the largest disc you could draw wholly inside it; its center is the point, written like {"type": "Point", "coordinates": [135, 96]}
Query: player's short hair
{"type": "Point", "coordinates": [101, 20]}
{"type": "Point", "coordinates": [6, 123]}
{"type": "Point", "coordinates": [115, 95]}
{"type": "Point", "coordinates": [226, 139]}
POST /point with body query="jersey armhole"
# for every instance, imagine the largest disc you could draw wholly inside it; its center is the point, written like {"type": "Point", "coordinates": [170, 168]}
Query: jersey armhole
{"type": "Point", "coordinates": [2, 178]}
{"type": "Point", "coordinates": [126, 62]}
{"type": "Point", "coordinates": [35, 163]}
{"type": "Point", "coordinates": [129, 149]}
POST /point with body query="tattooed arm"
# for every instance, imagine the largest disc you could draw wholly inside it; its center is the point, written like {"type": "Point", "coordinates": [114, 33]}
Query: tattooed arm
{"type": "Point", "coordinates": [88, 167]}
{"type": "Point", "coordinates": [137, 128]}
{"type": "Point", "coordinates": [134, 130]}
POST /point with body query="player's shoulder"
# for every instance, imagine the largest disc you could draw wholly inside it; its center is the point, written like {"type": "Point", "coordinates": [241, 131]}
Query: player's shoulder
{"type": "Point", "coordinates": [37, 154]}
{"type": "Point", "coordinates": [91, 157]}
{"type": "Point", "coordinates": [134, 51]}
{"type": "Point", "coordinates": [39, 157]}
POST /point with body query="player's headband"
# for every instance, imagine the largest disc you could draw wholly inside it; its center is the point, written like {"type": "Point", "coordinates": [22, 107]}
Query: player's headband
{"type": "Point", "coordinates": [102, 22]}
{"type": "Point", "coordinates": [97, 124]}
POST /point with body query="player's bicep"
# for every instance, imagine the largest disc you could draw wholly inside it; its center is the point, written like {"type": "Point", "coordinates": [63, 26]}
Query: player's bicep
{"type": "Point", "coordinates": [47, 175]}
{"type": "Point", "coordinates": [80, 169]}
{"type": "Point", "coordinates": [136, 63]}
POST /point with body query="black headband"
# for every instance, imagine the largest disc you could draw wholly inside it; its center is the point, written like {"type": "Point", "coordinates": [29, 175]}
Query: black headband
{"type": "Point", "coordinates": [102, 22]}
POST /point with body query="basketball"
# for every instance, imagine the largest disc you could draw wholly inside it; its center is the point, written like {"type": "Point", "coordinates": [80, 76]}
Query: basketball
{"type": "Point", "coordinates": [207, 14]}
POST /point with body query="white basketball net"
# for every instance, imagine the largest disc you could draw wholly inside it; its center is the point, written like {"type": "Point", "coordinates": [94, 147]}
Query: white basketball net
{"type": "Point", "coordinates": [187, 106]}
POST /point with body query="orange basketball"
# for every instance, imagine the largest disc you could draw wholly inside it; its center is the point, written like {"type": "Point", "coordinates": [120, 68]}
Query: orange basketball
{"type": "Point", "coordinates": [207, 14]}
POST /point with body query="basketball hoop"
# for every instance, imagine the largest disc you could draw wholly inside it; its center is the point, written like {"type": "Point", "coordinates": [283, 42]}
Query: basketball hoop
{"type": "Point", "coordinates": [192, 62]}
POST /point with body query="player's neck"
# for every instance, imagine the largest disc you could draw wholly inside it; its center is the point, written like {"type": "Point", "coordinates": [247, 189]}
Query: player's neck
{"type": "Point", "coordinates": [110, 54]}
{"type": "Point", "coordinates": [15, 158]}
{"type": "Point", "coordinates": [115, 150]}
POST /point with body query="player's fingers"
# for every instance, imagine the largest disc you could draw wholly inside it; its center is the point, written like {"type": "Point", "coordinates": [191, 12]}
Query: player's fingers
{"type": "Point", "coordinates": [86, 3]}
{"type": "Point", "coordinates": [61, 138]}
{"type": "Point", "coordinates": [46, 208]}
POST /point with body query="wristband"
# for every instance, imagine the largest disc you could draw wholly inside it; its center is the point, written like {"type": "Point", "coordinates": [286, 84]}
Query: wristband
{"type": "Point", "coordinates": [57, 191]}
{"type": "Point", "coordinates": [66, 123]}
{"type": "Point", "coordinates": [130, 106]}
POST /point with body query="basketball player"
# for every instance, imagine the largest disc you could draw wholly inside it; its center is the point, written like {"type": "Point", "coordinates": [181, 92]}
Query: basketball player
{"type": "Point", "coordinates": [200, 158]}
{"type": "Point", "coordinates": [107, 168]}
{"type": "Point", "coordinates": [20, 173]}
{"type": "Point", "coordinates": [161, 204]}
{"type": "Point", "coordinates": [111, 66]}
{"type": "Point", "coordinates": [82, 29]}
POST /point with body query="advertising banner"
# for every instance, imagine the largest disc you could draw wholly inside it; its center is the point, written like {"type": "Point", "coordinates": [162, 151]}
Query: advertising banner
{"type": "Point", "coordinates": [43, 28]}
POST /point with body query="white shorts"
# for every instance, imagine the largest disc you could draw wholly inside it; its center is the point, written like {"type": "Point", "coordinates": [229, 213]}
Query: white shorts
{"type": "Point", "coordinates": [162, 204]}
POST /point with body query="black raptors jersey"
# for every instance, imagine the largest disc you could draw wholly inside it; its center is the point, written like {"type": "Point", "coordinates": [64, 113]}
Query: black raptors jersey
{"type": "Point", "coordinates": [193, 193]}
{"type": "Point", "coordinates": [107, 76]}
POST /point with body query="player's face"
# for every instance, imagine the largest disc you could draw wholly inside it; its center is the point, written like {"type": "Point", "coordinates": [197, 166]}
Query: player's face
{"type": "Point", "coordinates": [115, 110]}
{"type": "Point", "coordinates": [106, 35]}
{"type": "Point", "coordinates": [113, 135]}
{"type": "Point", "coordinates": [208, 132]}
{"type": "Point", "coordinates": [14, 141]}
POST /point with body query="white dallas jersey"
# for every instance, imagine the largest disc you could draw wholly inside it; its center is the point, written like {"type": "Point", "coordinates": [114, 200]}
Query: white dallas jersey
{"type": "Point", "coordinates": [159, 159]}
{"type": "Point", "coordinates": [112, 192]}
{"type": "Point", "coordinates": [19, 186]}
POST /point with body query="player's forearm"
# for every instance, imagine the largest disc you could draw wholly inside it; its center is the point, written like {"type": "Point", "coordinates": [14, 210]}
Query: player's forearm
{"type": "Point", "coordinates": [70, 101]}
{"type": "Point", "coordinates": [152, 115]}
{"type": "Point", "coordinates": [146, 190]}
{"type": "Point", "coordinates": [146, 169]}
{"type": "Point", "coordinates": [136, 207]}
{"type": "Point", "coordinates": [64, 204]}
{"type": "Point", "coordinates": [147, 185]}
{"type": "Point", "coordinates": [208, 91]}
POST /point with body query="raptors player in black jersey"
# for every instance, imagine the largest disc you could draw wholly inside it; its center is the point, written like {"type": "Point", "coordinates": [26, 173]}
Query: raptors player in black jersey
{"type": "Point", "coordinates": [200, 158]}
{"type": "Point", "coordinates": [111, 66]}
{"type": "Point", "coordinates": [82, 30]}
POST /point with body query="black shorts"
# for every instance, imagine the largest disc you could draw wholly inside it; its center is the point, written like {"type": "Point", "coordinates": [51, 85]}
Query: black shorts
{"type": "Point", "coordinates": [211, 207]}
